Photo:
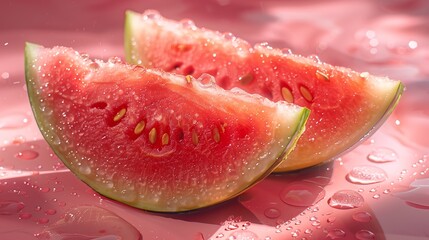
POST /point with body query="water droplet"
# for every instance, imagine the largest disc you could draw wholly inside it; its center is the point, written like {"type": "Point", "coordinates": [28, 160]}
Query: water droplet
{"type": "Point", "coordinates": [50, 212]}
{"type": "Point", "coordinates": [114, 60]}
{"type": "Point", "coordinates": [302, 194]}
{"type": "Point", "coordinates": [27, 155]}
{"type": "Point", "coordinates": [187, 23]}
{"type": "Point", "coordinates": [42, 220]}
{"type": "Point", "coordinates": [220, 235]}
{"type": "Point", "coordinates": [10, 207]}
{"type": "Point", "coordinates": [366, 175]}
{"type": "Point", "coordinates": [364, 235]}
{"type": "Point", "coordinates": [229, 36]}
{"type": "Point", "coordinates": [331, 219]}
{"type": "Point", "coordinates": [315, 58]}
{"type": "Point", "coordinates": [376, 196]}
{"type": "Point", "coordinates": [206, 80]}
{"type": "Point", "coordinates": [272, 212]}
{"type": "Point", "coordinates": [5, 75]}
{"type": "Point", "coordinates": [14, 121]}
{"type": "Point", "coordinates": [88, 222]}
{"type": "Point", "coordinates": [336, 234]}
{"type": "Point", "coordinates": [25, 216]}
{"type": "Point", "coordinates": [151, 15]}
{"type": "Point", "coordinates": [94, 65]}
{"type": "Point", "coordinates": [362, 217]}
{"type": "Point", "coordinates": [243, 235]}
{"type": "Point", "coordinates": [287, 51]}
{"type": "Point", "coordinates": [382, 155]}
{"type": "Point", "coordinates": [346, 199]}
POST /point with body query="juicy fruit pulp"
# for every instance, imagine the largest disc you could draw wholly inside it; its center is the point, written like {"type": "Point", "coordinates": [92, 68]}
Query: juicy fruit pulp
{"type": "Point", "coordinates": [345, 105]}
{"type": "Point", "coordinates": [133, 134]}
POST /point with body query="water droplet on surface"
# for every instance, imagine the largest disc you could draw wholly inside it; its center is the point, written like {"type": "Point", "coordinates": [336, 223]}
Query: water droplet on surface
{"type": "Point", "coordinates": [14, 121]}
{"type": "Point", "coordinates": [25, 216]}
{"type": "Point", "coordinates": [382, 155]}
{"type": "Point", "coordinates": [336, 234]}
{"type": "Point", "coordinates": [50, 212]}
{"type": "Point", "coordinates": [365, 235]}
{"type": "Point", "coordinates": [346, 199]}
{"type": "Point", "coordinates": [88, 222]}
{"type": "Point", "coordinates": [302, 194]}
{"type": "Point", "coordinates": [362, 217]}
{"type": "Point", "coordinates": [272, 212]}
{"type": "Point", "coordinates": [5, 75]}
{"type": "Point", "coordinates": [27, 155]}
{"type": "Point", "coordinates": [243, 235]}
{"type": "Point", "coordinates": [10, 207]}
{"type": "Point", "coordinates": [366, 175]}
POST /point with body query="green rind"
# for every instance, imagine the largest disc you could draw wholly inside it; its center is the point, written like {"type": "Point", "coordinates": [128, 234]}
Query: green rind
{"type": "Point", "coordinates": [289, 140]}
{"type": "Point", "coordinates": [129, 48]}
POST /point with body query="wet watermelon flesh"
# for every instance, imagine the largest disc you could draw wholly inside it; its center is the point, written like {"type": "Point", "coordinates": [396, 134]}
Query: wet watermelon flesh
{"type": "Point", "coordinates": [154, 140]}
{"type": "Point", "coordinates": [345, 105]}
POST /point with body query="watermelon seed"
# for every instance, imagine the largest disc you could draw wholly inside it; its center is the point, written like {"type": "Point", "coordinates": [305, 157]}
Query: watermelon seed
{"type": "Point", "coordinates": [181, 47]}
{"type": "Point", "coordinates": [165, 139]}
{"type": "Point", "coordinates": [188, 78]}
{"type": "Point", "coordinates": [246, 79]}
{"type": "Point", "coordinates": [287, 95]}
{"type": "Point", "coordinates": [139, 127]}
{"type": "Point", "coordinates": [322, 75]}
{"type": "Point", "coordinates": [120, 115]}
{"type": "Point", "coordinates": [194, 138]}
{"type": "Point", "coordinates": [152, 135]}
{"type": "Point", "coordinates": [189, 70]}
{"type": "Point", "coordinates": [306, 93]}
{"type": "Point", "coordinates": [216, 135]}
{"type": "Point", "coordinates": [222, 127]}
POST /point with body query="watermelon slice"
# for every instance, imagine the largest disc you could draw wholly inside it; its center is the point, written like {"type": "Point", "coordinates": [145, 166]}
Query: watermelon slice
{"type": "Point", "coordinates": [151, 139]}
{"type": "Point", "coordinates": [345, 105]}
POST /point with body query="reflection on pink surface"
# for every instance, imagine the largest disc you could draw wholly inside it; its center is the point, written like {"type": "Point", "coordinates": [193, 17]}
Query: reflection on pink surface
{"type": "Point", "coordinates": [382, 37]}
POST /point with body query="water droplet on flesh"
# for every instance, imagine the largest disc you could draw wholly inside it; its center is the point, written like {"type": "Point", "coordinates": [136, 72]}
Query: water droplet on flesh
{"type": "Point", "coordinates": [151, 15]}
{"type": "Point", "coordinates": [187, 23]}
{"type": "Point", "coordinates": [346, 199]}
{"type": "Point", "coordinates": [382, 155]}
{"type": "Point", "coordinates": [27, 155]}
{"type": "Point", "coordinates": [366, 175]}
{"type": "Point", "coordinates": [206, 80]}
{"type": "Point", "coordinates": [302, 194]}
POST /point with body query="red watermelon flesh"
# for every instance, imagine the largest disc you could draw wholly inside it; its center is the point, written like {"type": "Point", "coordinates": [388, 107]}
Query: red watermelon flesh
{"type": "Point", "coordinates": [346, 106]}
{"type": "Point", "coordinates": [151, 139]}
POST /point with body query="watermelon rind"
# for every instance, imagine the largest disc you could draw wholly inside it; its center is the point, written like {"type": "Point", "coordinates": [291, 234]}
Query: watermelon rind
{"type": "Point", "coordinates": [381, 94]}
{"type": "Point", "coordinates": [289, 121]}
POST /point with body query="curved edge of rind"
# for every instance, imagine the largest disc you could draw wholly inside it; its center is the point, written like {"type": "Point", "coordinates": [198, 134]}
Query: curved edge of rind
{"type": "Point", "coordinates": [130, 51]}
{"type": "Point", "coordinates": [399, 89]}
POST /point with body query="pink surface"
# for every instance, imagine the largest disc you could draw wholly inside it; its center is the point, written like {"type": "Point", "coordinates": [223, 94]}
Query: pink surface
{"type": "Point", "coordinates": [40, 199]}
